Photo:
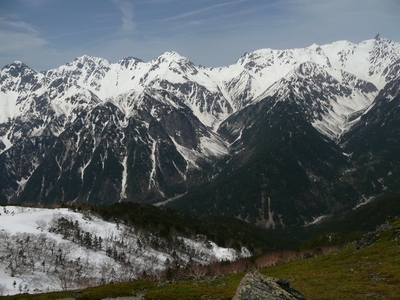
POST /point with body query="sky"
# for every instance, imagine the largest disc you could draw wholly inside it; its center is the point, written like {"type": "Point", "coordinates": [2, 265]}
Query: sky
{"type": "Point", "coordinates": [46, 34]}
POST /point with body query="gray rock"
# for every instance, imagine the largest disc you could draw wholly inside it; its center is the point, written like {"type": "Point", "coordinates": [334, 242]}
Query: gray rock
{"type": "Point", "coordinates": [256, 286]}
{"type": "Point", "coordinates": [371, 238]}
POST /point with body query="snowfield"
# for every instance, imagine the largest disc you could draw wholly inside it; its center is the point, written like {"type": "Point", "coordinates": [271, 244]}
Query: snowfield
{"type": "Point", "coordinates": [44, 250]}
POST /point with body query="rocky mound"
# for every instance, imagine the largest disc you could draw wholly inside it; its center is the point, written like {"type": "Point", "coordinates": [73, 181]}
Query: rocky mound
{"type": "Point", "coordinates": [256, 286]}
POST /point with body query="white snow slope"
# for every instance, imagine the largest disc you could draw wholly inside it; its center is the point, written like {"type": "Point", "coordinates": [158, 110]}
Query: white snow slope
{"type": "Point", "coordinates": [38, 254]}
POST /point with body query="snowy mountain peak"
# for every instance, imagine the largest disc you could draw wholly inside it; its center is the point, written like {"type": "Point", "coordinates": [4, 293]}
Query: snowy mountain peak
{"type": "Point", "coordinates": [17, 77]}
{"type": "Point", "coordinates": [313, 46]}
{"type": "Point", "coordinates": [379, 37]}
{"type": "Point", "coordinates": [129, 62]}
{"type": "Point", "coordinates": [16, 68]}
{"type": "Point", "coordinates": [89, 58]}
{"type": "Point", "coordinates": [172, 55]}
{"type": "Point", "coordinates": [88, 61]}
{"type": "Point", "coordinates": [170, 58]}
{"type": "Point", "coordinates": [15, 63]}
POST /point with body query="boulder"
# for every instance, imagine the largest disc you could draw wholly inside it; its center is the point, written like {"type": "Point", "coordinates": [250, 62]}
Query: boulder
{"type": "Point", "coordinates": [260, 287]}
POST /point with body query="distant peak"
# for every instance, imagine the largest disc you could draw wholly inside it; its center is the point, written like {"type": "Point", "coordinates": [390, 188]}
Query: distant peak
{"type": "Point", "coordinates": [130, 58]}
{"type": "Point", "coordinates": [378, 39]}
{"type": "Point", "coordinates": [88, 58]}
{"type": "Point", "coordinates": [17, 67]}
{"type": "Point", "coordinates": [129, 61]}
{"type": "Point", "coordinates": [18, 64]}
{"type": "Point", "coordinates": [254, 55]}
{"type": "Point", "coordinates": [314, 46]}
{"type": "Point", "coordinates": [83, 58]}
{"type": "Point", "coordinates": [172, 55]}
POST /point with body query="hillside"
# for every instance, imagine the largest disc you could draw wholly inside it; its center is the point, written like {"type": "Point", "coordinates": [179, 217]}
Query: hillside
{"type": "Point", "coordinates": [364, 269]}
{"type": "Point", "coordinates": [62, 249]}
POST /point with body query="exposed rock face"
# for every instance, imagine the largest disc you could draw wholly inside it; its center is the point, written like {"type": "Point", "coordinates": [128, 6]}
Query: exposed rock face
{"type": "Point", "coordinates": [256, 286]}
{"type": "Point", "coordinates": [372, 237]}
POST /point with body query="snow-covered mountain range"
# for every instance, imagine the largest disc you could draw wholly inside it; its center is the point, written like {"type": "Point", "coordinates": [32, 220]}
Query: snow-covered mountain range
{"type": "Point", "coordinates": [102, 132]}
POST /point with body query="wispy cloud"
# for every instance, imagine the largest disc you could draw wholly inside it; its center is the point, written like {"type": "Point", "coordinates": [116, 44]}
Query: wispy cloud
{"type": "Point", "coordinates": [21, 41]}
{"type": "Point", "coordinates": [202, 10]}
{"type": "Point", "coordinates": [16, 25]}
{"type": "Point", "coordinates": [126, 7]}
{"type": "Point", "coordinates": [18, 36]}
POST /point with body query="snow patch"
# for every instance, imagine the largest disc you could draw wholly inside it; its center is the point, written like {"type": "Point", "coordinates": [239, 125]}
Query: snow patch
{"type": "Point", "coordinates": [169, 200]}
{"type": "Point", "coordinates": [364, 201]}
{"type": "Point", "coordinates": [316, 220]}
{"type": "Point", "coordinates": [124, 178]}
{"type": "Point", "coordinates": [213, 147]}
{"type": "Point", "coordinates": [8, 102]}
{"type": "Point", "coordinates": [152, 181]}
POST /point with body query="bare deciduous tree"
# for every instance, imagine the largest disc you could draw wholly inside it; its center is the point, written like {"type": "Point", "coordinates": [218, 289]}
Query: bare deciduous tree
{"type": "Point", "coordinates": [41, 224]}
{"type": "Point", "coordinates": [197, 271]}
{"type": "Point", "coordinates": [3, 290]}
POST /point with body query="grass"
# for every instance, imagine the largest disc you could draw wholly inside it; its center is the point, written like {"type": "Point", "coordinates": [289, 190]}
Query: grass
{"type": "Point", "coordinates": [369, 273]}
{"type": "Point", "coordinates": [220, 288]}
{"type": "Point", "coordinates": [372, 272]}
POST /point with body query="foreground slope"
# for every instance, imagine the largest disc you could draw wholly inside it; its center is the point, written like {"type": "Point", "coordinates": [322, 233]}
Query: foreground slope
{"type": "Point", "coordinates": [354, 272]}
{"type": "Point", "coordinates": [61, 249]}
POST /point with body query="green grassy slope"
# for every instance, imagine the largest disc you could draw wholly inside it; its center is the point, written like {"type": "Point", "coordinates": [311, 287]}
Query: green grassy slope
{"type": "Point", "coordinates": [369, 273]}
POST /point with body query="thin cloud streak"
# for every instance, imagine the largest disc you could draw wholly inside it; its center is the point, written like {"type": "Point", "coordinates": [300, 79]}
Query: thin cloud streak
{"type": "Point", "coordinates": [19, 36]}
{"type": "Point", "coordinates": [17, 26]}
{"type": "Point", "coordinates": [126, 7]}
{"type": "Point", "coordinates": [200, 11]}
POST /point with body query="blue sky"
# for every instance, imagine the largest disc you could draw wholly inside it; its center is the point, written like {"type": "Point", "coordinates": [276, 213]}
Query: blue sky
{"type": "Point", "coordinates": [48, 33]}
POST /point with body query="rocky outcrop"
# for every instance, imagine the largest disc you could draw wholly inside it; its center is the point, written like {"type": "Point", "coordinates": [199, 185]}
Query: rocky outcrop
{"type": "Point", "coordinates": [256, 286]}
{"type": "Point", "coordinates": [372, 237]}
